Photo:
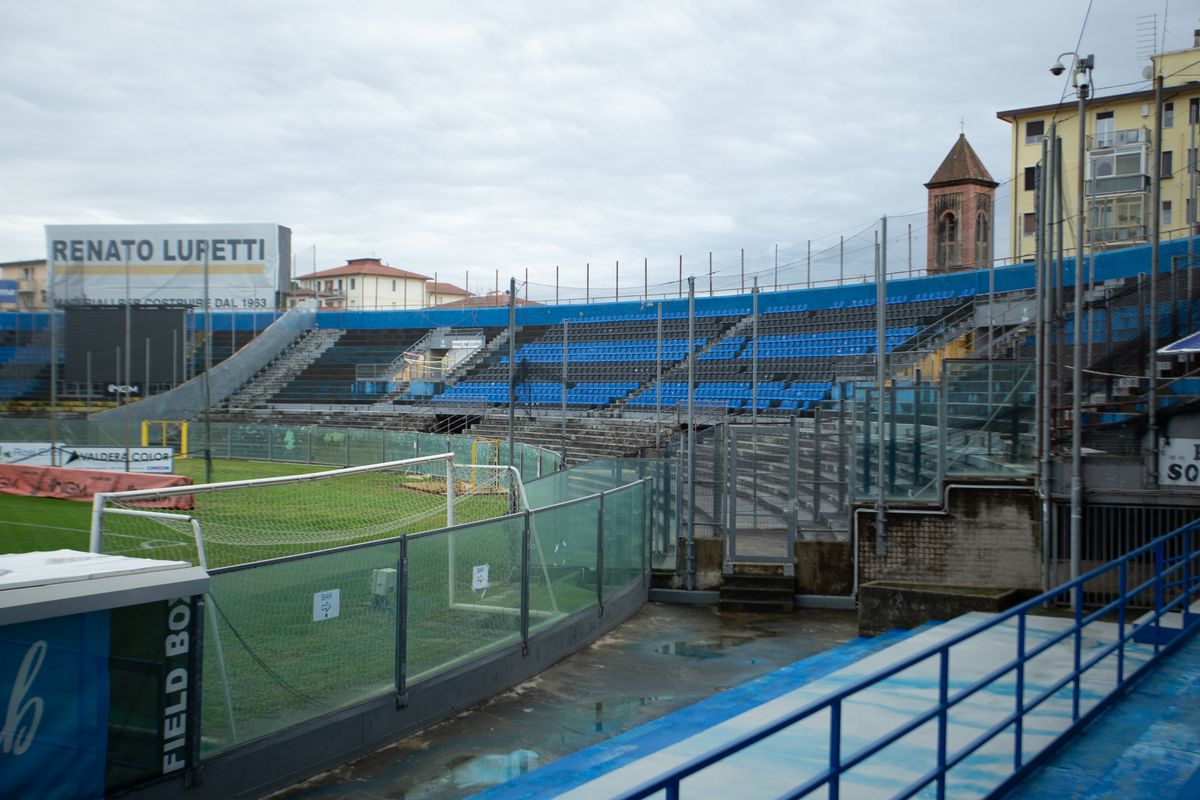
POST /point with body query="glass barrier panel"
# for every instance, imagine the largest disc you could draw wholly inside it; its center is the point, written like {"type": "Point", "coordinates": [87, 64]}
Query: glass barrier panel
{"type": "Point", "coordinates": [563, 540]}
{"type": "Point", "coordinates": [287, 641]}
{"type": "Point", "coordinates": [624, 538]}
{"type": "Point", "coordinates": [464, 595]}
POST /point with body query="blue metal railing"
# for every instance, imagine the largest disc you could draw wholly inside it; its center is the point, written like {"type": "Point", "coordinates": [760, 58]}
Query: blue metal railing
{"type": "Point", "coordinates": [1173, 585]}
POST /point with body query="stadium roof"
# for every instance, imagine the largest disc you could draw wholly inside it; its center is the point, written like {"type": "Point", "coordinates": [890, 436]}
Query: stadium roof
{"type": "Point", "coordinates": [364, 266]}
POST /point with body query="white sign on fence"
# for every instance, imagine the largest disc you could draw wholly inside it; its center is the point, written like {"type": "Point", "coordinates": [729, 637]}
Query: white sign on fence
{"type": "Point", "coordinates": [479, 578]}
{"type": "Point", "coordinates": [40, 454]}
{"type": "Point", "coordinates": [327, 605]}
{"type": "Point", "coordinates": [246, 264]}
{"type": "Point", "coordinates": [1179, 462]}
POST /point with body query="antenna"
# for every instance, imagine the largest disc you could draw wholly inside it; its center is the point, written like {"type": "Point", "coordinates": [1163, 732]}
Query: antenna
{"type": "Point", "coordinates": [1147, 36]}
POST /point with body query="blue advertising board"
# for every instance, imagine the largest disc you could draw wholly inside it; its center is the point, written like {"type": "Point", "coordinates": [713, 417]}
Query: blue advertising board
{"type": "Point", "coordinates": [54, 701]}
{"type": "Point", "coordinates": [8, 292]}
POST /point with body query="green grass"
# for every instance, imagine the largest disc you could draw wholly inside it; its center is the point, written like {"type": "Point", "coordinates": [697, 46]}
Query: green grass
{"type": "Point", "coordinates": [42, 523]}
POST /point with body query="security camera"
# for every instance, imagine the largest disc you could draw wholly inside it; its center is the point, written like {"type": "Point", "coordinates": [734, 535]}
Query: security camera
{"type": "Point", "coordinates": [1057, 69]}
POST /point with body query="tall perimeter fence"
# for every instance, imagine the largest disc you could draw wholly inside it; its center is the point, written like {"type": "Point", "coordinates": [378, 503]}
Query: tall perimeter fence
{"type": "Point", "coordinates": [294, 444]}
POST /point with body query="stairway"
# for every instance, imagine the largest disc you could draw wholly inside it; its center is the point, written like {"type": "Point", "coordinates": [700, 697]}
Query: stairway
{"type": "Point", "coordinates": [757, 589]}
{"type": "Point", "coordinates": [256, 392]}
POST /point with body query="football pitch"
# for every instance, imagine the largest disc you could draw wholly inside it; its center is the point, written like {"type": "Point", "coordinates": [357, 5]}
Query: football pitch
{"type": "Point", "coordinates": [38, 523]}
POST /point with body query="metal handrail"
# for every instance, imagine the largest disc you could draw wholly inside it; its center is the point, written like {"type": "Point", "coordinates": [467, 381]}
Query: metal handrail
{"type": "Point", "coordinates": [1022, 763]}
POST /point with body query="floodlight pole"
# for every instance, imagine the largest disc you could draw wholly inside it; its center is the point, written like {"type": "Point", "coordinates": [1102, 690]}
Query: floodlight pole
{"type": "Point", "coordinates": [1082, 67]}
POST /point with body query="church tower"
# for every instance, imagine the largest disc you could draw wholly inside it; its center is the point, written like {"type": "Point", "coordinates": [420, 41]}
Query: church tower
{"type": "Point", "coordinates": [961, 195]}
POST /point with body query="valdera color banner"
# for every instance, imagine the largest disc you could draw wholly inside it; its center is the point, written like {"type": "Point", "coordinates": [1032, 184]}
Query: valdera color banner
{"type": "Point", "coordinates": [245, 264]}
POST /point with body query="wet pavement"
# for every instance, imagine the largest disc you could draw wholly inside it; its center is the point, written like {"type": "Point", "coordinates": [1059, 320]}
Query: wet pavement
{"type": "Point", "coordinates": [664, 658]}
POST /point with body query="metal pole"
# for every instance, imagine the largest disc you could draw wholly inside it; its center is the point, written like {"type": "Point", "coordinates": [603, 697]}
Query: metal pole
{"type": "Point", "coordinates": [512, 366]}
{"type": "Point", "coordinates": [1155, 236]}
{"type": "Point", "coordinates": [841, 259]}
{"type": "Point", "coordinates": [658, 382]}
{"type": "Point", "coordinates": [1045, 226]}
{"type": "Point", "coordinates": [777, 268]}
{"type": "Point", "coordinates": [146, 387]}
{"type": "Point", "coordinates": [645, 279]}
{"type": "Point", "coordinates": [555, 284]}
{"type": "Point", "coordinates": [128, 366]}
{"type": "Point", "coordinates": [910, 249]}
{"type": "Point", "coordinates": [710, 274]}
{"type": "Point", "coordinates": [743, 279]}
{"type": "Point", "coordinates": [208, 465]}
{"type": "Point", "coordinates": [566, 322]}
{"type": "Point", "coordinates": [754, 367]}
{"type": "Point", "coordinates": [54, 372]}
{"type": "Point", "coordinates": [691, 437]}
{"type": "Point", "coordinates": [587, 282]}
{"type": "Point", "coordinates": [89, 380]}
{"type": "Point", "coordinates": [880, 378]}
{"type": "Point", "coordinates": [1077, 364]}
{"type": "Point", "coordinates": [617, 282]}
{"type": "Point", "coordinates": [808, 266]}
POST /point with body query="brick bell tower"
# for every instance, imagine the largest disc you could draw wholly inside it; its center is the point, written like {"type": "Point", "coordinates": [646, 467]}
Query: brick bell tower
{"type": "Point", "coordinates": [961, 195]}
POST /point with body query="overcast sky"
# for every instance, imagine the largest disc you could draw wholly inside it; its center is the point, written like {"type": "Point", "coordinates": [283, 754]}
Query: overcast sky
{"type": "Point", "coordinates": [475, 137]}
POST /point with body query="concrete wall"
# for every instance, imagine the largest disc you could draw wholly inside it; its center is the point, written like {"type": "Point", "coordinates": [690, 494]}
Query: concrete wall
{"type": "Point", "coordinates": [187, 400]}
{"type": "Point", "coordinates": [988, 538]}
{"type": "Point", "coordinates": [824, 568]}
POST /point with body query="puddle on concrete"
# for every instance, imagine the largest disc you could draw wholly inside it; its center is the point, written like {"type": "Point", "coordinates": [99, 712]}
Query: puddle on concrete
{"type": "Point", "coordinates": [475, 773]}
{"type": "Point", "coordinates": [704, 649]}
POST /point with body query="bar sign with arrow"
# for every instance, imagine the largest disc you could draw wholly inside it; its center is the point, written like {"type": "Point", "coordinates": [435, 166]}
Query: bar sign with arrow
{"type": "Point", "coordinates": [326, 605]}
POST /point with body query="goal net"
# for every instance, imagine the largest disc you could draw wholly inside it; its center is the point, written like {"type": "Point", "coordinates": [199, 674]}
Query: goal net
{"type": "Point", "coordinates": [240, 522]}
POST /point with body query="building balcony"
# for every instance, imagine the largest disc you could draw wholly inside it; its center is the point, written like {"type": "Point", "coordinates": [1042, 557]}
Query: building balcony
{"type": "Point", "coordinates": [1106, 139]}
{"type": "Point", "coordinates": [1118, 184]}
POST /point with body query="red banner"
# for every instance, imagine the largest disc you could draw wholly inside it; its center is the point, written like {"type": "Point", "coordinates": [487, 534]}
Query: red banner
{"type": "Point", "coordinates": [82, 484]}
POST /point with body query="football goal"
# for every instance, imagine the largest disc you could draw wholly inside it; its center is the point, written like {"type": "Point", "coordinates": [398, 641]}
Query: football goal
{"type": "Point", "coordinates": [239, 522]}
{"type": "Point", "coordinates": [171, 433]}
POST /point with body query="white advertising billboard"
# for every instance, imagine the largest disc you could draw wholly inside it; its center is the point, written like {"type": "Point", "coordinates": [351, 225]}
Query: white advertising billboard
{"type": "Point", "coordinates": [112, 458]}
{"type": "Point", "coordinates": [246, 264]}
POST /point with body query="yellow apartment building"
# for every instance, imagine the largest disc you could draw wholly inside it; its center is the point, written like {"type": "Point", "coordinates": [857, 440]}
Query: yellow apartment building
{"type": "Point", "coordinates": [1119, 154]}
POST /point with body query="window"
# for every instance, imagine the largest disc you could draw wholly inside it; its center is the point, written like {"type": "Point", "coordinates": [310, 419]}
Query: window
{"type": "Point", "coordinates": [1168, 162]}
{"type": "Point", "coordinates": [352, 283]}
{"type": "Point", "coordinates": [329, 286]}
{"type": "Point", "coordinates": [1029, 224]}
{"type": "Point", "coordinates": [1165, 217]}
{"type": "Point", "coordinates": [982, 250]}
{"type": "Point", "coordinates": [1190, 211]}
{"type": "Point", "coordinates": [1168, 114]}
{"type": "Point", "coordinates": [393, 286]}
{"type": "Point", "coordinates": [339, 284]}
{"type": "Point", "coordinates": [28, 273]}
{"type": "Point", "coordinates": [1194, 110]}
{"type": "Point", "coordinates": [1191, 159]}
{"type": "Point", "coordinates": [1106, 129]}
{"type": "Point", "coordinates": [1035, 131]}
{"type": "Point", "coordinates": [1030, 178]}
